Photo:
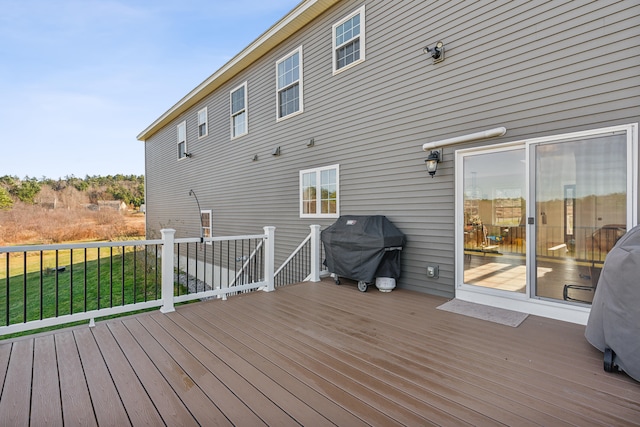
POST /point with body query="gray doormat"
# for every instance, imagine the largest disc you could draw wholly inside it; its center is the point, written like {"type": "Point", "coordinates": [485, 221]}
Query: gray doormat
{"type": "Point", "coordinates": [485, 312]}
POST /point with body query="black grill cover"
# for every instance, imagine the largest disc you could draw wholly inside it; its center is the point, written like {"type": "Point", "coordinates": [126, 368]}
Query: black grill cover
{"type": "Point", "coordinates": [614, 321]}
{"type": "Point", "coordinates": [363, 247]}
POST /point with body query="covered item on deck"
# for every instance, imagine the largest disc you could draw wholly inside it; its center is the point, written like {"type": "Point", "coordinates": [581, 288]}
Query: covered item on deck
{"type": "Point", "coordinates": [614, 322]}
{"type": "Point", "coordinates": [362, 248]}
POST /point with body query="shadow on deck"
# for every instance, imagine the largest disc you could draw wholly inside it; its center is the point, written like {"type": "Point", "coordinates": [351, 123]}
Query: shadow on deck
{"type": "Point", "coordinates": [313, 354]}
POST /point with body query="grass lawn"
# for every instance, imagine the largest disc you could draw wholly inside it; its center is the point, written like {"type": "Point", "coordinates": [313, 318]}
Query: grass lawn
{"type": "Point", "coordinates": [88, 282]}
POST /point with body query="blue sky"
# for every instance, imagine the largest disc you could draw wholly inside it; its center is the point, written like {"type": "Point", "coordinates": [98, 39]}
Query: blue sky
{"type": "Point", "coordinates": [79, 79]}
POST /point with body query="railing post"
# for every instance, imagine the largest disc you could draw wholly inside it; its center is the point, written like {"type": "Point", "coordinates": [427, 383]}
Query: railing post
{"type": "Point", "coordinates": [315, 252]}
{"type": "Point", "coordinates": [269, 258]}
{"type": "Point", "coordinates": [168, 236]}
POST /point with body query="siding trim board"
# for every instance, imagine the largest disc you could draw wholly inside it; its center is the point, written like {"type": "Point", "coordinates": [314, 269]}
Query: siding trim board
{"type": "Point", "coordinates": [536, 68]}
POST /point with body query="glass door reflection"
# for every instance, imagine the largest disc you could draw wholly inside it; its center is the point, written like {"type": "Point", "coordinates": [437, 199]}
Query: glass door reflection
{"type": "Point", "coordinates": [580, 206]}
{"type": "Point", "coordinates": [495, 220]}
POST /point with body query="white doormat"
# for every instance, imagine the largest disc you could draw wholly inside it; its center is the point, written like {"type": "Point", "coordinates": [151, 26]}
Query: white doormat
{"type": "Point", "coordinates": [485, 312]}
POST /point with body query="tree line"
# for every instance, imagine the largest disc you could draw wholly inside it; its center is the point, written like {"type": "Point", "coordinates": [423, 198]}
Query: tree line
{"type": "Point", "coordinates": [33, 191]}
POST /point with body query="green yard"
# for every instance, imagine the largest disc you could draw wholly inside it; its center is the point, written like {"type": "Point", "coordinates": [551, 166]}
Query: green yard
{"type": "Point", "coordinates": [83, 282]}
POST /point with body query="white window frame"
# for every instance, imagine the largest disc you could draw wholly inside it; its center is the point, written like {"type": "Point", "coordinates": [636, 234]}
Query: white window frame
{"type": "Point", "coordinates": [319, 213]}
{"type": "Point", "coordinates": [360, 11]}
{"type": "Point", "coordinates": [203, 113]}
{"type": "Point", "coordinates": [209, 227]}
{"type": "Point", "coordinates": [181, 138]}
{"type": "Point", "coordinates": [245, 110]}
{"type": "Point", "coordinates": [299, 82]}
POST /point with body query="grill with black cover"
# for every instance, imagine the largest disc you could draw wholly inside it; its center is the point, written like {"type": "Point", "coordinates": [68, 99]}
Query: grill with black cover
{"type": "Point", "coordinates": [361, 248]}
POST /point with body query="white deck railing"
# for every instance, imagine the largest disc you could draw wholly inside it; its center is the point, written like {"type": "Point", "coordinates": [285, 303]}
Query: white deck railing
{"type": "Point", "coordinates": [48, 285]}
{"type": "Point", "coordinates": [305, 262]}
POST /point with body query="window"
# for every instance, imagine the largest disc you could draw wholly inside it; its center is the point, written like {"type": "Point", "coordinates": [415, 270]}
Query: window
{"type": "Point", "coordinates": [348, 41]}
{"type": "Point", "coordinates": [182, 140]}
{"type": "Point", "coordinates": [319, 192]}
{"type": "Point", "coordinates": [206, 219]}
{"type": "Point", "coordinates": [289, 84]}
{"type": "Point", "coordinates": [203, 129]}
{"type": "Point", "coordinates": [239, 111]}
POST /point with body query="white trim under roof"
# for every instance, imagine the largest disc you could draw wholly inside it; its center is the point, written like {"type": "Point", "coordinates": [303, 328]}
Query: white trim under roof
{"type": "Point", "coordinates": [300, 16]}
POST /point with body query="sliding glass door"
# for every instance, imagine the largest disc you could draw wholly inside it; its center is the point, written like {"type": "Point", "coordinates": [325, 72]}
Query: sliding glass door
{"type": "Point", "coordinates": [536, 218]}
{"type": "Point", "coordinates": [494, 205]}
{"type": "Point", "coordinates": [580, 212]}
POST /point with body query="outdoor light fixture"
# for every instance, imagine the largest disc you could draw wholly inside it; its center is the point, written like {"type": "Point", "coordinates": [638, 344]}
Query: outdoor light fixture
{"type": "Point", "coordinates": [276, 151]}
{"type": "Point", "coordinates": [311, 142]}
{"type": "Point", "coordinates": [436, 52]}
{"type": "Point", "coordinates": [255, 157]}
{"type": "Point", "coordinates": [188, 154]}
{"type": "Point", "coordinates": [432, 162]}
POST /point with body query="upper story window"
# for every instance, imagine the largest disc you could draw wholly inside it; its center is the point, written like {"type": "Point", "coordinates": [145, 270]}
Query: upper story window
{"type": "Point", "coordinates": [348, 41]}
{"type": "Point", "coordinates": [319, 192]}
{"type": "Point", "coordinates": [203, 128]}
{"type": "Point", "coordinates": [182, 140]}
{"type": "Point", "coordinates": [289, 84]}
{"type": "Point", "coordinates": [239, 111]}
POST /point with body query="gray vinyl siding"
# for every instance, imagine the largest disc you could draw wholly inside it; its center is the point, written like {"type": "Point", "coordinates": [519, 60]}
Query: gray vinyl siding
{"type": "Point", "coordinates": [536, 68]}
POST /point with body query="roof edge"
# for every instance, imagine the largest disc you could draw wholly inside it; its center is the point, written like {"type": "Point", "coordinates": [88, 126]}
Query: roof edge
{"type": "Point", "coordinates": [297, 18]}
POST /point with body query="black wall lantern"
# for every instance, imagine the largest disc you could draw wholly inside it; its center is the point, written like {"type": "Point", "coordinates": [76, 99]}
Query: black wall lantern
{"type": "Point", "coordinates": [432, 162]}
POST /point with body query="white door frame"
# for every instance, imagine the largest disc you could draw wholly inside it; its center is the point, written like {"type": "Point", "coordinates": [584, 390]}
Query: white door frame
{"type": "Point", "coordinates": [524, 302]}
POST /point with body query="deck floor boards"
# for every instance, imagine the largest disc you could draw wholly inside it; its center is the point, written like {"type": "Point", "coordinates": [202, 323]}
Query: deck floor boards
{"type": "Point", "coordinates": [313, 354]}
{"type": "Point", "coordinates": [172, 410]}
{"type": "Point", "coordinates": [139, 407]}
{"type": "Point", "coordinates": [77, 408]}
{"type": "Point", "coordinates": [46, 406]}
{"type": "Point", "coordinates": [107, 404]}
{"type": "Point", "coordinates": [16, 392]}
{"type": "Point", "coordinates": [370, 352]}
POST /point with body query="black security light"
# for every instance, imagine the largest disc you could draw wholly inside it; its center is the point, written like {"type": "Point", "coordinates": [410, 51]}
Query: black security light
{"type": "Point", "coordinates": [436, 52]}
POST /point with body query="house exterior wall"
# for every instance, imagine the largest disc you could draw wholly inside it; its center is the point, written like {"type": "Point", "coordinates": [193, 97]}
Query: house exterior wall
{"type": "Point", "coordinates": [536, 68]}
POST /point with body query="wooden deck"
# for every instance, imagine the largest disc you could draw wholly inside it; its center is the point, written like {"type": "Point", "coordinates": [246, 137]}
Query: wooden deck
{"type": "Point", "coordinates": [313, 354]}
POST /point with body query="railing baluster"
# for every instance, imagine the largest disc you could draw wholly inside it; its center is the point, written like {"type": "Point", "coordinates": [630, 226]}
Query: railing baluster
{"type": "Point", "coordinates": [41, 284]}
{"type": "Point", "coordinates": [157, 272]}
{"type": "Point", "coordinates": [8, 278]}
{"type": "Point", "coordinates": [111, 276]}
{"type": "Point", "coordinates": [123, 261]}
{"type": "Point", "coordinates": [24, 287]}
{"type": "Point", "coordinates": [57, 282]}
{"type": "Point", "coordinates": [85, 279]}
{"type": "Point", "coordinates": [178, 258]}
{"type": "Point", "coordinates": [146, 266]}
{"type": "Point", "coordinates": [70, 281]}
{"type": "Point", "coordinates": [135, 278]}
{"type": "Point", "coordinates": [99, 277]}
